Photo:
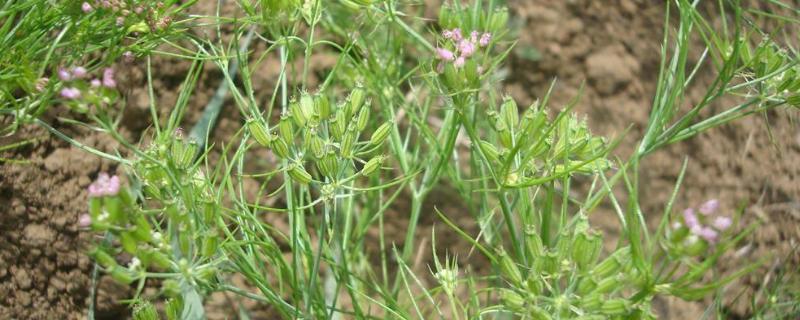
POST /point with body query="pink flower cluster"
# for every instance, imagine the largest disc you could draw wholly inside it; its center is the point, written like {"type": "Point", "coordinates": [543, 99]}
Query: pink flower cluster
{"type": "Point", "coordinates": [79, 73]}
{"type": "Point", "coordinates": [695, 222]}
{"type": "Point", "coordinates": [104, 186]}
{"type": "Point", "coordinates": [462, 47]}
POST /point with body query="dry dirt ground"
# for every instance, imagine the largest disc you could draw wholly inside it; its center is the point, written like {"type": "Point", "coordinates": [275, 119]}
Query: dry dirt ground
{"type": "Point", "coordinates": [612, 45]}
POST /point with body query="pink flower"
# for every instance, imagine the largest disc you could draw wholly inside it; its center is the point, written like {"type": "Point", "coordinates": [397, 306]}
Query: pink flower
{"type": "Point", "coordinates": [459, 62]}
{"type": "Point", "coordinates": [120, 21]}
{"type": "Point", "coordinates": [466, 48]}
{"type": "Point", "coordinates": [447, 34]}
{"type": "Point", "coordinates": [445, 54]}
{"type": "Point", "coordinates": [64, 75]}
{"type": "Point", "coordinates": [457, 34]}
{"type": "Point", "coordinates": [722, 223]}
{"type": "Point", "coordinates": [86, 7]}
{"type": "Point", "coordinates": [473, 36]}
{"type": "Point", "coordinates": [104, 186]}
{"type": "Point", "coordinates": [707, 233]}
{"type": "Point", "coordinates": [79, 72]}
{"type": "Point", "coordinates": [70, 93]}
{"type": "Point", "coordinates": [485, 39]}
{"type": "Point", "coordinates": [95, 83]}
{"type": "Point", "coordinates": [709, 207]}
{"type": "Point", "coordinates": [84, 221]}
{"type": "Point", "coordinates": [690, 219]}
{"type": "Point", "coordinates": [108, 78]}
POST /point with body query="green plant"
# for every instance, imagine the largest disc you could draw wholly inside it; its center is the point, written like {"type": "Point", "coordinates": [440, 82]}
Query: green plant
{"type": "Point", "coordinates": [349, 150]}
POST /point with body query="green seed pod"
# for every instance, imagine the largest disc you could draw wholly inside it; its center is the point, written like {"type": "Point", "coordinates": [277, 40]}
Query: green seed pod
{"type": "Point", "coordinates": [609, 284]}
{"type": "Point", "coordinates": [170, 288]}
{"type": "Point", "coordinates": [794, 100]}
{"type": "Point", "coordinates": [113, 206]}
{"type": "Point", "coordinates": [508, 268]}
{"type": "Point", "coordinates": [322, 106]}
{"type": "Point", "coordinates": [533, 242]}
{"type": "Point", "coordinates": [548, 263]}
{"type": "Point", "coordinates": [184, 241]}
{"type": "Point", "coordinates": [380, 134]}
{"type": "Point", "coordinates": [677, 235]}
{"type": "Point", "coordinates": [299, 174]}
{"type": "Point", "coordinates": [210, 211]}
{"type": "Point", "coordinates": [145, 311]}
{"type": "Point", "coordinates": [103, 258]}
{"type": "Point", "coordinates": [95, 208]}
{"type": "Point", "coordinates": [122, 275]}
{"type": "Point", "coordinates": [259, 131]}
{"type": "Point", "coordinates": [296, 112]}
{"type": "Point", "coordinates": [210, 244]}
{"type": "Point", "coordinates": [306, 105]}
{"type": "Point", "coordinates": [471, 73]}
{"type": "Point", "coordinates": [349, 139]}
{"type": "Point", "coordinates": [490, 151]}
{"type": "Point", "coordinates": [327, 166]}
{"type": "Point", "coordinates": [160, 260]}
{"type": "Point", "coordinates": [592, 302]}
{"type": "Point", "coordinates": [280, 148]}
{"type": "Point", "coordinates": [512, 299]}
{"type": "Point", "coordinates": [128, 242]}
{"type": "Point", "coordinates": [537, 313]}
{"type": "Point", "coordinates": [338, 125]}
{"type": "Point", "coordinates": [615, 307]}
{"type": "Point", "coordinates": [534, 284]}
{"type": "Point", "coordinates": [372, 165]}
{"type": "Point", "coordinates": [586, 285]}
{"type": "Point", "coordinates": [499, 20]}
{"type": "Point", "coordinates": [451, 78]}
{"type": "Point", "coordinates": [586, 248]}
{"type": "Point", "coordinates": [510, 111]}
{"type": "Point", "coordinates": [356, 100]}
{"type": "Point", "coordinates": [285, 130]}
{"type": "Point", "coordinates": [612, 264]}
{"type": "Point", "coordinates": [695, 246]}
{"type": "Point", "coordinates": [189, 152]}
{"type": "Point", "coordinates": [142, 232]}
{"type": "Point", "coordinates": [317, 146]}
{"type": "Point", "coordinates": [362, 119]}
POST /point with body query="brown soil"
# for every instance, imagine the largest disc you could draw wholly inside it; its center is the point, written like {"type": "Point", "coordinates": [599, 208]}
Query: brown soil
{"type": "Point", "coordinates": [44, 273]}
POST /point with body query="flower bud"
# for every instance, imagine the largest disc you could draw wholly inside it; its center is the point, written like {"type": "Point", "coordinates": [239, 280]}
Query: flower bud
{"type": "Point", "coordinates": [122, 275]}
{"type": "Point", "coordinates": [363, 119]}
{"type": "Point", "coordinates": [299, 174]}
{"type": "Point", "coordinates": [372, 165]}
{"type": "Point", "coordinates": [380, 134]}
{"type": "Point", "coordinates": [260, 132]}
